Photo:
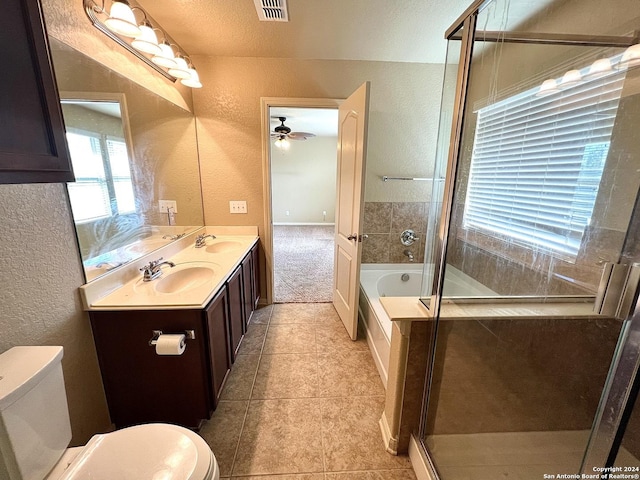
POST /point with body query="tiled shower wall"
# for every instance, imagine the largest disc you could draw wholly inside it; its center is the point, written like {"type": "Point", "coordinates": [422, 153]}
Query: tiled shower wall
{"type": "Point", "coordinates": [384, 222]}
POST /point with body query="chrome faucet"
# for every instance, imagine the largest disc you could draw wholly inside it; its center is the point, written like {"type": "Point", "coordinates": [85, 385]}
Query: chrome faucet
{"type": "Point", "coordinates": [201, 240]}
{"type": "Point", "coordinates": [409, 254]}
{"type": "Point", "coordinates": [153, 269]}
{"type": "Point", "coordinates": [173, 237]}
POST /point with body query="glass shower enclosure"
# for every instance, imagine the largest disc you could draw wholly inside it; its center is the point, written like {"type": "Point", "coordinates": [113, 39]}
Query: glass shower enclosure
{"type": "Point", "coordinates": [532, 277]}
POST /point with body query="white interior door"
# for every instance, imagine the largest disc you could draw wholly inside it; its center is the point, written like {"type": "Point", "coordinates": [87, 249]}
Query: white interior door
{"type": "Point", "coordinates": [352, 146]}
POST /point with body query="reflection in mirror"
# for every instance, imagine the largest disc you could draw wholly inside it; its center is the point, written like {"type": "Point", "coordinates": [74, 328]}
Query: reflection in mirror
{"type": "Point", "coordinates": [130, 149]}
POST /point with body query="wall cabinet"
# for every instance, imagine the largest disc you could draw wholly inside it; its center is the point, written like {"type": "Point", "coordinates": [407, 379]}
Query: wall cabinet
{"type": "Point", "coordinates": [32, 139]}
{"type": "Point", "coordinates": [143, 387]}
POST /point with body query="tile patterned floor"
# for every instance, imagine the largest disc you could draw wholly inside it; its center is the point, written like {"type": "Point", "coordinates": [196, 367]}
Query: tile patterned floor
{"type": "Point", "coordinates": [302, 402]}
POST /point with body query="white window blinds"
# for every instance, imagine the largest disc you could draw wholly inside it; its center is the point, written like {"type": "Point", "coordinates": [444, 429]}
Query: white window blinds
{"type": "Point", "coordinates": [537, 163]}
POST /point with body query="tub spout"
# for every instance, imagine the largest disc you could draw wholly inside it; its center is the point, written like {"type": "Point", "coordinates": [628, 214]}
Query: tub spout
{"type": "Point", "coordinates": [409, 254]}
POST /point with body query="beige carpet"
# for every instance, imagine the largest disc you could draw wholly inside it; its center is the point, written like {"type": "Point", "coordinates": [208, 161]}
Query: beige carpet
{"type": "Point", "coordinates": [303, 263]}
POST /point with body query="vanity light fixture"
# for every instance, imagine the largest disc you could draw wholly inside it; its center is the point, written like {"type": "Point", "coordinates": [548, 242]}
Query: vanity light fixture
{"type": "Point", "coordinates": [570, 79]}
{"type": "Point", "coordinates": [548, 87]}
{"type": "Point", "coordinates": [147, 42]}
{"type": "Point", "coordinates": [599, 69]}
{"type": "Point", "coordinates": [181, 70]}
{"type": "Point", "coordinates": [166, 58]}
{"type": "Point", "coordinates": [193, 80]}
{"type": "Point", "coordinates": [122, 20]}
{"type": "Point", "coordinates": [630, 57]}
{"type": "Point", "coordinates": [119, 23]}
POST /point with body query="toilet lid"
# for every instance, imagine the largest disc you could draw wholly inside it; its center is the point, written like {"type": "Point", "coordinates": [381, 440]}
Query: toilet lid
{"type": "Point", "coordinates": [153, 451]}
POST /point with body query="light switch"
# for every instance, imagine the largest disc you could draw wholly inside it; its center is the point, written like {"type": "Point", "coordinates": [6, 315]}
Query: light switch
{"type": "Point", "coordinates": [238, 206]}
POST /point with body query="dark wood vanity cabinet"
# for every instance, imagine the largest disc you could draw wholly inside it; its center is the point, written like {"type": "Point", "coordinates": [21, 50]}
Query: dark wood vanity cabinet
{"type": "Point", "coordinates": [256, 275]}
{"type": "Point", "coordinates": [247, 289]}
{"type": "Point", "coordinates": [218, 336]}
{"type": "Point", "coordinates": [234, 288]}
{"type": "Point", "coordinates": [32, 139]}
{"type": "Point", "coordinates": [142, 386]}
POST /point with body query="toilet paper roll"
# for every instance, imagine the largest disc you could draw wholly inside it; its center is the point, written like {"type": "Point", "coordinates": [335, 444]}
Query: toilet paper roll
{"type": "Point", "coordinates": [170, 344]}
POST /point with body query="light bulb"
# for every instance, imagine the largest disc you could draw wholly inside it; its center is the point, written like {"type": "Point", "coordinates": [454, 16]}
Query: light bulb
{"type": "Point", "coordinates": [122, 20]}
{"type": "Point", "coordinates": [147, 42]}
{"type": "Point", "coordinates": [166, 58]}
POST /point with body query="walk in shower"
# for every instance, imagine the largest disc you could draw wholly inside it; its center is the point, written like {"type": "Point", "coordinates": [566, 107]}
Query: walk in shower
{"type": "Point", "coordinates": [538, 132]}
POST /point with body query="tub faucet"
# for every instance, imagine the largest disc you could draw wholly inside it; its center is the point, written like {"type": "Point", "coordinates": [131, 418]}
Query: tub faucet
{"type": "Point", "coordinates": [201, 240]}
{"type": "Point", "coordinates": [409, 254]}
{"type": "Point", "coordinates": [153, 269]}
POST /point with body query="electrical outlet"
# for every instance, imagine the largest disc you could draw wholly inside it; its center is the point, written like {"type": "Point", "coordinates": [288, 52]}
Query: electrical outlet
{"type": "Point", "coordinates": [238, 206]}
{"type": "Point", "coordinates": [164, 204]}
{"type": "Point", "coordinates": [287, 213]}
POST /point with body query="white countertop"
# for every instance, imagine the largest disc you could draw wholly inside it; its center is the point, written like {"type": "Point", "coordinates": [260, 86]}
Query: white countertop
{"type": "Point", "coordinates": [124, 289]}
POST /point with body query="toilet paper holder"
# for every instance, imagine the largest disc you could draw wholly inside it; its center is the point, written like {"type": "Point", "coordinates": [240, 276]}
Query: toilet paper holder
{"type": "Point", "coordinates": [188, 335]}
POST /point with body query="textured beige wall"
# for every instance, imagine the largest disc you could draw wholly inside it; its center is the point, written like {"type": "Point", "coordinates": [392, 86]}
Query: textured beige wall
{"type": "Point", "coordinates": [304, 181]}
{"type": "Point", "coordinates": [405, 100]}
{"type": "Point", "coordinates": [40, 276]}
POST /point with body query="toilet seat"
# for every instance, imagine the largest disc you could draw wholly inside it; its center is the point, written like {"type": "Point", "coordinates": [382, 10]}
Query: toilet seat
{"type": "Point", "coordinates": [155, 451]}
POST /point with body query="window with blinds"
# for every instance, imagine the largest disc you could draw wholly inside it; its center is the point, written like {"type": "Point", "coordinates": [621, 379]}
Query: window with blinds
{"type": "Point", "coordinates": [103, 185]}
{"type": "Point", "coordinates": [537, 163]}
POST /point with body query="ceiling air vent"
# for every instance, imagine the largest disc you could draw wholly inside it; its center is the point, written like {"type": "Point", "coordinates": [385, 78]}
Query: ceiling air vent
{"type": "Point", "coordinates": [272, 10]}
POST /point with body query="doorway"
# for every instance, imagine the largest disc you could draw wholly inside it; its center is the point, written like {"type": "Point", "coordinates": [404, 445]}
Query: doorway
{"type": "Point", "coordinates": [303, 180]}
{"type": "Point", "coordinates": [300, 193]}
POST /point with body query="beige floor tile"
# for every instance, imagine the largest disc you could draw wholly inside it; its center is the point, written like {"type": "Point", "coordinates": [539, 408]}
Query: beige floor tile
{"type": "Point", "coordinates": [334, 337]}
{"type": "Point", "coordinates": [373, 475]}
{"type": "Point", "coordinates": [222, 433]}
{"type": "Point", "coordinates": [304, 476]}
{"type": "Point", "coordinates": [240, 379]}
{"type": "Point", "coordinates": [290, 339]}
{"type": "Point", "coordinates": [343, 374]}
{"type": "Point", "coordinates": [253, 340]}
{"type": "Point", "coordinates": [287, 376]}
{"type": "Point", "coordinates": [351, 436]}
{"type": "Point", "coordinates": [280, 436]}
{"type": "Point", "coordinates": [262, 315]}
{"type": "Point", "coordinates": [306, 313]}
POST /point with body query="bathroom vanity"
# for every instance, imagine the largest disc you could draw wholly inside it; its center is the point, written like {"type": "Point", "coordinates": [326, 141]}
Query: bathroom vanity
{"type": "Point", "coordinates": [142, 386]}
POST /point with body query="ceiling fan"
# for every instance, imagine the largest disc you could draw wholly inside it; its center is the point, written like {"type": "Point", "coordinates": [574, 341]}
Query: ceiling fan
{"type": "Point", "coordinates": [282, 132]}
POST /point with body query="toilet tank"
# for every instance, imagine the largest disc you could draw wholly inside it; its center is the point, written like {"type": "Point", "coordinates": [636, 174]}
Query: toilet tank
{"type": "Point", "coordinates": [34, 417]}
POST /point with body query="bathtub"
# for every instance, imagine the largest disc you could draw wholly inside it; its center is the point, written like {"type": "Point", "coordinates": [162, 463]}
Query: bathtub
{"type": "Point", "coordinates": [400, 280]}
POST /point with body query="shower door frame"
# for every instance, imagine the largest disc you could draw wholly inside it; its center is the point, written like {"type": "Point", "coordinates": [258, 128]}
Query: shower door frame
{"type": "Point", "coordinates": [625, 366]}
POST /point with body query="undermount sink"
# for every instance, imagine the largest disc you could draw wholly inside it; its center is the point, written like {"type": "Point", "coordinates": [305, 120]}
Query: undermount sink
{"type": "Point", "coordinates": [181, 278]}
{"type": "Point", "coordinates": [222, 247]}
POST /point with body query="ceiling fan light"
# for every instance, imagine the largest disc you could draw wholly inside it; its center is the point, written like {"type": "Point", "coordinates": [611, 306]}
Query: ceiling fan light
{"type": "Point", "coordinates": [181, 70]}
{"type": "Point", "coordinates": [166, 58]}
{"type": "Point", "coordinates": [194, 79]}
{"type": "Point", "coordinates": [147, 42]}
{"type": "Point", "coordinates": [122, 20]}
{"type": "Point", "coordinates": [282, 143]}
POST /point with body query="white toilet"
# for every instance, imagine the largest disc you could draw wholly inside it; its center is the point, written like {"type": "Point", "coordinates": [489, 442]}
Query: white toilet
{"type": "Point", "coordinates": [35, 432]}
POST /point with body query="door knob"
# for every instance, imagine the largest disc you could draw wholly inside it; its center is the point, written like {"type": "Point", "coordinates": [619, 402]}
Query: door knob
{"type": "Point", "coordinates": [355, 236]}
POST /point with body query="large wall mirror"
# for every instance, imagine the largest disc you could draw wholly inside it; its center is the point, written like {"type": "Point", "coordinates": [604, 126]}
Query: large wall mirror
{"type": "Point", "coordinates": [130, 149]}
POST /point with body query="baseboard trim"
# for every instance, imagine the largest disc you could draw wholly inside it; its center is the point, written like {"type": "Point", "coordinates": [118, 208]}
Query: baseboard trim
{"type": "Point", "coordinates": [390, 443]}
{"type": "Point", "coordinates": [419, 462]}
